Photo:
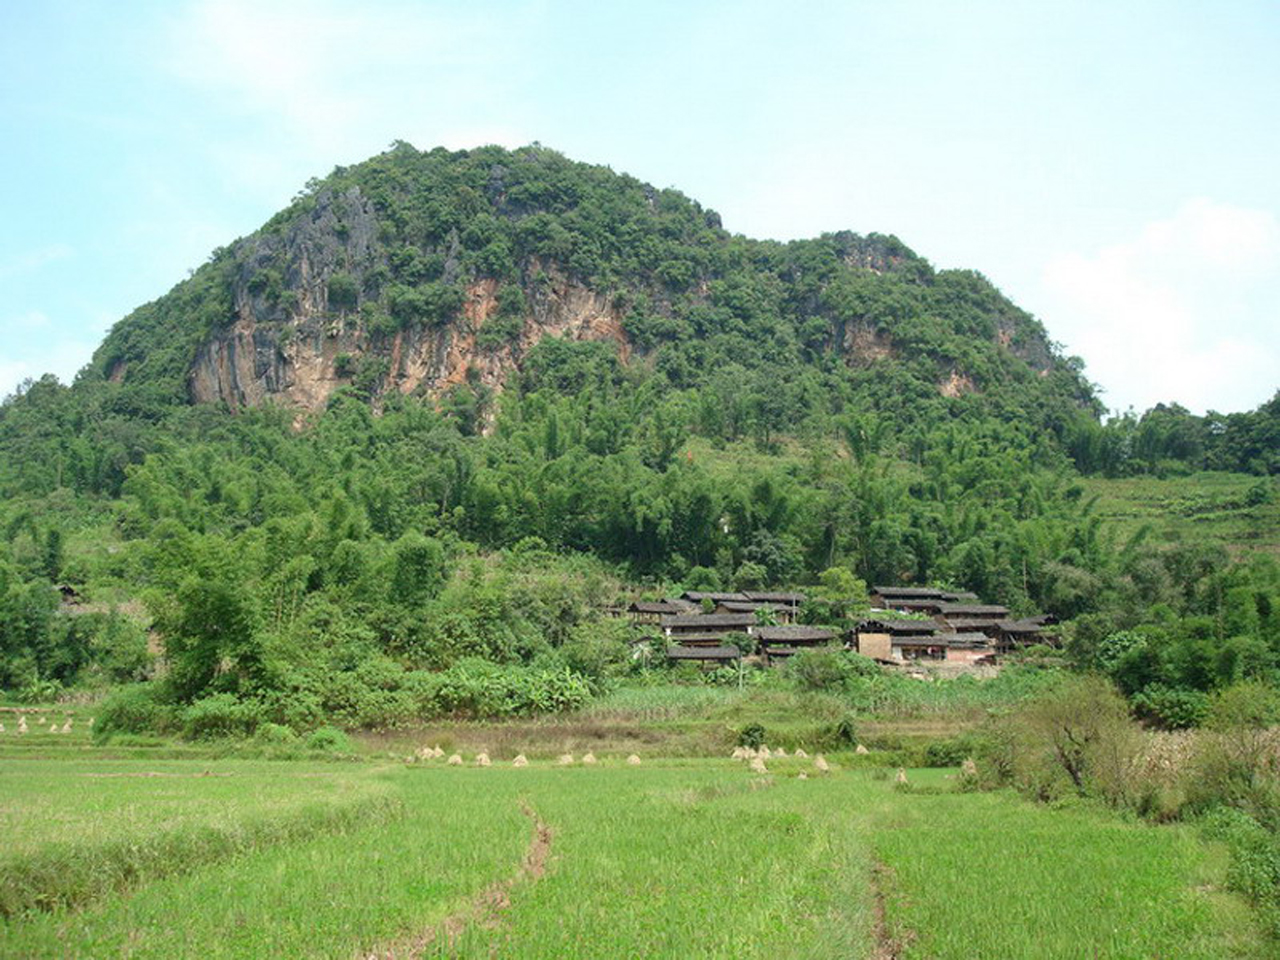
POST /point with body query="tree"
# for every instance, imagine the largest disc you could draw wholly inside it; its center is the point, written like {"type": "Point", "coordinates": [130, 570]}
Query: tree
{"type": "Point", "coordinates": [209, 636]}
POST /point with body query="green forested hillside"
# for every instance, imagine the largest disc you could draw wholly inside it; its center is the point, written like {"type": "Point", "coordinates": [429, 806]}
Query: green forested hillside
{"type": "Point", "coordinates": [390, 544]}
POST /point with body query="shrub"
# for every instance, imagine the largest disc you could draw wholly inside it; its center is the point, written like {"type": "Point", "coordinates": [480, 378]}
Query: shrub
{"type": "Point", "coordinates": [752, 735]}
{"type": "Point", "coordinates": [275, 734]}
{"type": "Point", "coordinates": [1237, 759]}
{"type": "Point", "coordinates": [120, 646]}
{"type": "Point", "coordinates": [1173, 708]}
{"type": "Point", "coordinates": [1247, 705]}
{"type": "Point", "coordinates": [820, 669]}
{"type": "Point", "coordinates": [842, 734]}
{"type": "Point", "coordinates": [38, 691]}
{"type": "Point", "coordinates": [951, 752]}
{"type": "Point", "coordinates": [297, 709]}
{"type": "Point", "coordinates": [330, 740]}
{"type": "Point", "coordinates": [1254, 868]}
{"type": "Point", "coordinates": [343, 292]}
{"type": "Point", "coordinates": [220, 715]}
{"type": "Point", "coordinates": [139, 708]}
{"type": "Point", "coordinates": [1077, 739]}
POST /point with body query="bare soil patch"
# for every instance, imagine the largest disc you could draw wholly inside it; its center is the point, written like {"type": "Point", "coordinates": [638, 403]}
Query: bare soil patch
{"type": "Point", "coordinates": [887, 946]}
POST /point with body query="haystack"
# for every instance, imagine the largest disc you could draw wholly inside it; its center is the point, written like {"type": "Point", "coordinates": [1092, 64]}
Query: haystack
{"type": "Point", "coordinates": [53, 728]}
{"type": "Point", "coordinates": [757, 765]}
{"type": "Point", "coordinates": [802, 776]}
{"type": "Point", "coordinates": [438, 752]}
{"type": "Point", "coordinates": [482, 759]}
{"type": "Point", "coordinates": [861, 751]}
{"type": "Point", "coordinates": [455, 760]}
{"type": "Point", "coordinates": [821, 763]}
{"type": "Point", "coordinates": [423, 753]}
{"type": "Point", "coordinates": [565, 759]}
{"type": "Point", "coordinates": [66, 727]}
{"type": "Point", "coordinates": [739, 753]}
{"type": "Point", "coordinates": [764, 753]}
{"type": "Point", "coordinates": [633, 760]}
{"type": "Point", "coordinates": [780, 752]}
{"type": "Point", "coordinates": [1, 728]}
{"type": "Point", "coordinates": [588, 757]}
{"type": "Point", "coordinates": [520, 761]}
{"type": "Point", "coordinates": [22, 724]}
{"type": "Point", "coordinates": [91, 719]}
{"type": "Point", "coordinates": [901, 777]}
{"type": "Point", "coordinates": [800, 754]}
{"type": "Point", "coordinates": [968, 769]}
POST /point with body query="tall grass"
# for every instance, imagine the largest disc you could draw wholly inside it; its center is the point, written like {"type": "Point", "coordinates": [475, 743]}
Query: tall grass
{"type": "Point", "coordinates": [664, 702]}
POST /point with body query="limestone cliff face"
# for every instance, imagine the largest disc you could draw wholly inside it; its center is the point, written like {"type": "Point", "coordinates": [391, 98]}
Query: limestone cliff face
{"type": "Point", "coordinates": [289, 344]}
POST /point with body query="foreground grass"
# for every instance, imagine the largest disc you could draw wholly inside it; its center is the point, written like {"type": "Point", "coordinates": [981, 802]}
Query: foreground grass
{"type": "Point", "coordinates": [680, 859]}
{"type": "Point", "coordinates": [694, 861]}
{"type": "Point", "coordinates": [331, 896]}
{"type": "Point", "coordinates": [75, 831]}
{"type": "Point", "coordinates": [988, 875]}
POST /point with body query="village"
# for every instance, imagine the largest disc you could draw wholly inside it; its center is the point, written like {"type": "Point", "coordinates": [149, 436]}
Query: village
{"type": "Point", "coordinates": [905, 627]}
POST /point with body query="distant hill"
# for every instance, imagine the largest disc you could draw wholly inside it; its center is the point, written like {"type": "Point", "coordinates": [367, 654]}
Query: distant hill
{"type": "Point", "coordinates": [434, 272]}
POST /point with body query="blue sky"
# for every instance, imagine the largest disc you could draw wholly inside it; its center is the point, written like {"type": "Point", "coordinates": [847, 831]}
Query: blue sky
{"type": "Point", "coordinates": [1110, 166]}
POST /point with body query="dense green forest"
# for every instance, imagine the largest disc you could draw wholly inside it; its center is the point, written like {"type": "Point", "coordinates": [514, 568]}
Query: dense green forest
{"type": "Point", "coordinates": [451, 550]}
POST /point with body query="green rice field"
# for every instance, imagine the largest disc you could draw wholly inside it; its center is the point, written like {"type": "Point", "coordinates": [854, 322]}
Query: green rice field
{"type": "Point", "coordinates": [675, 858]}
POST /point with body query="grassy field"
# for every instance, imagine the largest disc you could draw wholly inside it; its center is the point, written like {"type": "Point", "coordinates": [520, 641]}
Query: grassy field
{"type": "Point", "coordinates": [674, 858]}
{"type": "Point", "coordinates": [1202, 506]}
{"type": "Point", "coordinates": [77, 831]}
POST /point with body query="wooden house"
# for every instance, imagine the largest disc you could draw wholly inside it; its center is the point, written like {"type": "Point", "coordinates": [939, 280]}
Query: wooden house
{"type": "Point", "coordinates": [783, 641]}
{"type": "Point", "coordinates": [883, 597]}
{"type": "Point", "coordinates": [782, 614]}
{"type": "Point", "coordinates": [879, 637]}
{"type": "Point", "coordinates": [973, 613]}
{"type": "Point", "coordinates": [795, 636]}
{"type": "Point", "coordinates": [930, 607]}
{"type": "Point", "coordinates": [702, 639]}
{"type": "Point", "coordinates": [984, 625]}
{"type": "Point", "coordinates": [651, 611]}
{"type": "Point", "coordinates": [1011, 634]}
{"type": "Point", "coordinates": [920, 647]}
{"type": "Point", "coordinates": [967, 648]}
{"type": "Point", "coordinates": [717, 624]}
{"type": "Point", "coordinates": [697, 596]}
{"type": "Point", "coordinates": [715, 656]}
{"type": "Point", "coordinates": [779, 599]}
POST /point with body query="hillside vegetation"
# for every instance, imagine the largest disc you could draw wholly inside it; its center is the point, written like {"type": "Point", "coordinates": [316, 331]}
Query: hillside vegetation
{"type": "Point", "coordinates": [390, 458]}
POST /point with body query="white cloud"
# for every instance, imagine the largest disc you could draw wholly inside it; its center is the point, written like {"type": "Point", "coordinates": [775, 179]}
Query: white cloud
{"type": "Point", "coordinates": [1184, 311]}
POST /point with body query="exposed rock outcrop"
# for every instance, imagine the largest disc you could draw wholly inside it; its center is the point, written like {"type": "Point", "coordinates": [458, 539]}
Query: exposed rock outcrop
{"type": "Point", "coordinates": [289, 344]}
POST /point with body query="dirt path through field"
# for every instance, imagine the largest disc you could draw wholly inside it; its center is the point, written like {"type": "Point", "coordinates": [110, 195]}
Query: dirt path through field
{"type": "Point", "coordinates": [485, 908]}
{"type": "Point", "coordinates": [887, 947]}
